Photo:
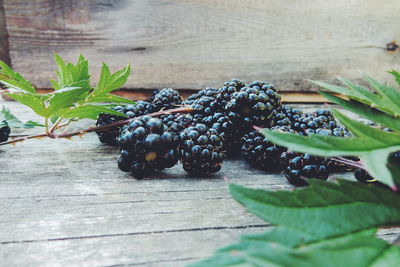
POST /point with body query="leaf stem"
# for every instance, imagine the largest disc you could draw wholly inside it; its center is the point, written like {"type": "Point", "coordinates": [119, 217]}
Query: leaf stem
{"type": "Point", "coordinates": [183, 109]}
{"type": "Point", "coordinates": [352, 163]}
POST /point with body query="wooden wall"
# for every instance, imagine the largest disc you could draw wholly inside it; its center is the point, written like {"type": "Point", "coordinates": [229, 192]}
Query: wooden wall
{"type": "Point", "coordinates": [192, 44]}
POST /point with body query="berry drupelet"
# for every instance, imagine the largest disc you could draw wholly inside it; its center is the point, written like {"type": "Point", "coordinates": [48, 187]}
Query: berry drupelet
{"type": "Point", "coordinates": [109, 135]}
{"type": "Point", "coordinates": [146, 145]}
{"type": "Point", "coordinates": [201, 150]}
{"type": "Point", "coordinates": [4, 131]}
{"type": "Point", "coordinates": [255, 105]}
{"type": "Point", "coordinates": [261, 153]}
{"type": "Point", "coordinates": [305, 166]}
{"type": "Point", "coordinates": [167, 98]}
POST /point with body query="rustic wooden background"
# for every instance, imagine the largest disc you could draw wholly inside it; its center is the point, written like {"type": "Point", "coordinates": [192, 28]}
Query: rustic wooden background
{"type": "Point", "coordinates": [197, 43]}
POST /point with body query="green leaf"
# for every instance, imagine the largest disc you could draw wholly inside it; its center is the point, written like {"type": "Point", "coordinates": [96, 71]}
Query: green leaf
{"type": "Point", "coordinates": [65, 98]}
{"type": "Point", "coordinates": [14, 78]}
{"type": "Point", "coordinates": [32, 101]}
{"type": "Point", "coordinates": [109, 82]}
{"type": "Point", "coordinates": [322, 206]}
{"type": "Point", "coordinates": [325, 224]}
{"type": "Point", "coordinates": [70, 75]}
{"type": "Point", "coordinates": [110, 98]}
{"type": "Point", "coordinates": [358, 249]}
{"type": "Point", "coordinates": [90, 112]}
{"type": "Point", "coordinates": [365, 111]}
{"type": "Point", "coordinates": [396, 75]}
{"type": "Point", "coordinates": [14, 122]}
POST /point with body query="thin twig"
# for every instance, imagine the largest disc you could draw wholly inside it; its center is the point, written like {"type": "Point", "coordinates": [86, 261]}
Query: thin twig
{"type": "Point", "coordinates": [352, 163]}
{"type": "Point", "coordinates": [183, 109]}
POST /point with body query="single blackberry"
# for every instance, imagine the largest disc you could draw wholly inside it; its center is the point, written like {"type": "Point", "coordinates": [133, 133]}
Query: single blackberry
{"type": "Point", "coordinates": [255, 105]}
{"type": "Point", "coordinates": [205, 106]}
{"type": "Point", "coordinates": [146, 145]}
{"type": "Point", "coordinates": [210, 92]}
{"type": "Point", "coordinates": [230, 87]}
{"type": "Point", "coordinates": [4, 131]}
{"type": "Point", "coordinates": [285, 116]}
{"type": "Point", "coordinates": [201, 150]}
{"type": "Point", "coordinates": [229, 132]}
{"type": "Point", "coordinates": [167, 98]}
{"type": "Point", "coordinates": [304, 167]}
{"type": "Point", "coordinates": [109, 135]}
{"type": "Point", "coordinates": [260, 152]}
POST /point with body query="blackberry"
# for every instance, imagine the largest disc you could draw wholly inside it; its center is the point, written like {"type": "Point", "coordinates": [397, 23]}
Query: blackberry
{"type": "Point", "coordinates": [258, 151]}
{"type": "Point", "coordinates": [210, 92]}
{"type": "Point", "coordinates": [304, 167]}
{"type": "Point", "coordinates": [285, 116]}
{"type": "Point", "coordinates": [255, 105]}
{"type": "Point", "coordinates": [167, 98]}
{"type": "Point", "coordinates": [4, 131]}
{"type": "Point", "coordinates": [230, 87]}
{"type": "Point", "coordinates": [146, 145]}
{"type": "Point", "coordinates": [205, 106]}
{"type": "Point", "coordinates": [109, 135]}
{"type": "Point", "coordinates": [201, 150]}
{"type": "Point", "coordinates": [309, 123]}
{"type": "Point", "coordinates": [229, 132]}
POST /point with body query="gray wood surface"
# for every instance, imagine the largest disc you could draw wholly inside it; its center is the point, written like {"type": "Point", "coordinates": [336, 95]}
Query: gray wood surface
{"type": "Point", "coordinates": [65, 203]}
{"type": "Point", "coordinates": [194, 44]}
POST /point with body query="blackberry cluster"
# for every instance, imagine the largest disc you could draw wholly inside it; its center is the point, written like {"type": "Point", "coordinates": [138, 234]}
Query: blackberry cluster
{"type": "Point", "coordinates": [286, 116]}
{"type": "Point", "coordinates": [109, 135]}
{"type": "Point", "coordinates": [146, 145]}
{"type": "Point", "coordinates": [309, 123]}
{"type": "Point", "coordinates": [305, 166]}
{"type": "Point", "coordinates": [258, 151]}
{"type": "Point", "coordinates": [4, 131]}
{"type": "Point", "coordinates": [230, 87]}
{"type": "Point", "coordinates": [201, 150]}
{"type": "Point", "coordinates": [255, 105]}
{"type": "Point", "coordinates": [167, 98]}
{"type": "Point", "coordinates": [229, 132]}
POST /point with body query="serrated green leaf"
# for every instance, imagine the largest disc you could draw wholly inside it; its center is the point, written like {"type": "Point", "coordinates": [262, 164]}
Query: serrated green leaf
{"type": "Point", "coordinates": [32, 101]}
{"type": "Point", "coordinates": [65, 98]}
{"type": "Point", "coordinates": [322, 206]}
{"type": "Point", "coordinates": [365, 111]}
{"type": "Point", "coordinates": [396, 75]}
{"type": "Point", "coordinates": [70, 75]}
{"type": "Point", "coordinates": [111, 98]}
{"type": "Point", "coordinates": [90, 112]}
{"type": "Point", "coordinates": [360, 249]}
{"type": "Point", "coordinates": [316, 226]}
{"type": "Point", "coordinates": [13, 121]}
{"type": "Point", "coordinates": [15, 78]}
{"type": "Point", "coordinates": [390, 95]}
{"type": "Point", "coordinates": [109, 82]}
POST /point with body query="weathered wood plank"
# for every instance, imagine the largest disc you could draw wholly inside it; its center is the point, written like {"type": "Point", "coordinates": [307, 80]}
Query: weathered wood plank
{"type": "Point", "coordinates": [194, 44]}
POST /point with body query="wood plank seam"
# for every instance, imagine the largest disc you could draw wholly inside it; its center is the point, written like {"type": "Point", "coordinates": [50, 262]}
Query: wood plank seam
{"type": "Point", "coordinates": [214, 228]}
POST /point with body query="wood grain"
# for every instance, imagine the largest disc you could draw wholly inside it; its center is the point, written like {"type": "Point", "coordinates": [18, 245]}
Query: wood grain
{"type": "Point", "coordinates": [194, 44]}
{"type": "Point", "coordinates": [65, 203]}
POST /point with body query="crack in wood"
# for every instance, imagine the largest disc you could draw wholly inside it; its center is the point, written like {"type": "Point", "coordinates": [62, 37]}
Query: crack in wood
{"type": "Point", "coordinates": [139, 233]}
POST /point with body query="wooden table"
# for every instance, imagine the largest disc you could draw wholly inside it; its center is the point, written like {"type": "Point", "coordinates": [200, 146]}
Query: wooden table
{"type": "Point", "coordinates": [66, 203]}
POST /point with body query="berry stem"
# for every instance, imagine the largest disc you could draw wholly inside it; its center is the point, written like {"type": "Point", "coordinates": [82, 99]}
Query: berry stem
{"type": "Point", "coordinates": [348, 162]}
{"type": "Point", "coordinates": [50, 134]}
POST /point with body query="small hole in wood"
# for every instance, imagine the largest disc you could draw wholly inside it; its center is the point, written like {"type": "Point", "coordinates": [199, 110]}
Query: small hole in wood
{"type": "Point", "coordinates": [392, 46]}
